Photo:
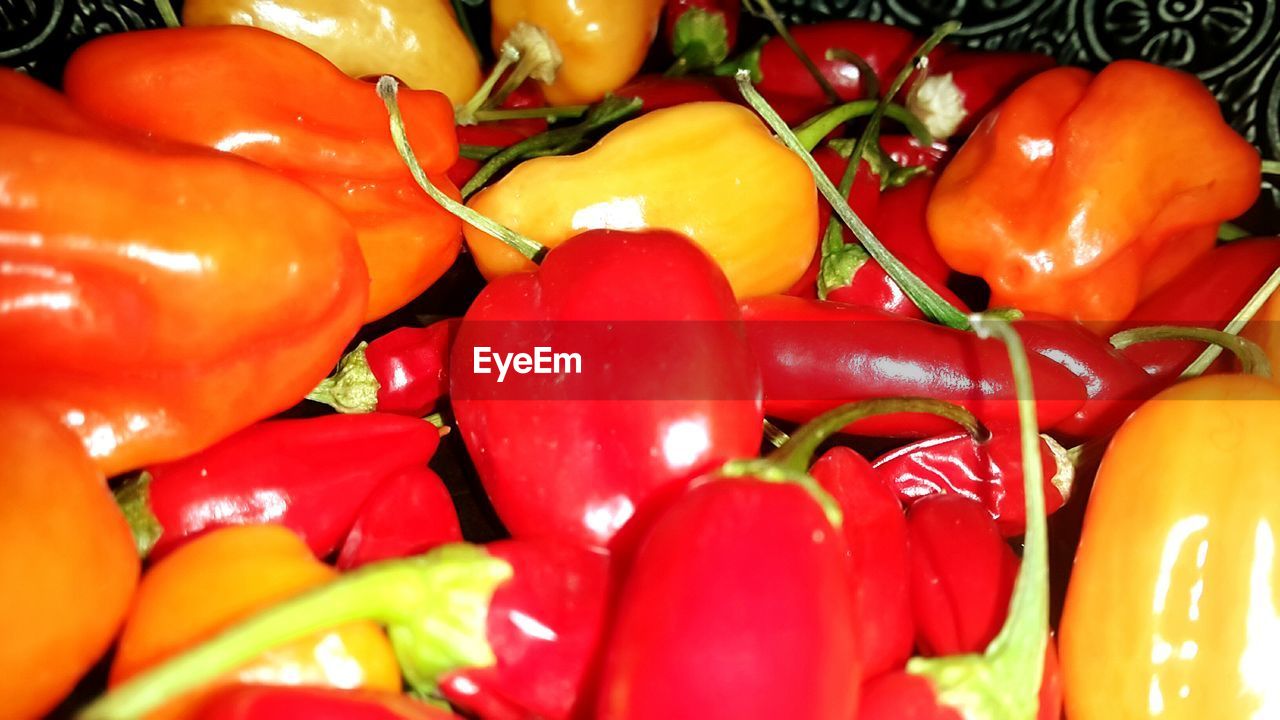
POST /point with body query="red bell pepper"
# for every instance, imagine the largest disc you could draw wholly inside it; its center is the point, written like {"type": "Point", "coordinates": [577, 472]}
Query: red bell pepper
{"type": "Point", "coordinates": [408, 513]}
{"type": "Point", "coordinates": [404, 372]}
{"type": "Point", "coordinates": [667, 389]}
{"type": "Point", "coordinates": [701, 33]}
{"type": "Point", "coordinates": [522, 619]}
{"type": "Point", "coordinates": [268, 702]}
{"type": "Point", "coordinates": [988, 472]}
{"type": "Point", "coordinates": [815, 355]}
{"type": "Point", "coordinates": [875, 532]}
{"type": "Point", "coordinates": [311, 476]}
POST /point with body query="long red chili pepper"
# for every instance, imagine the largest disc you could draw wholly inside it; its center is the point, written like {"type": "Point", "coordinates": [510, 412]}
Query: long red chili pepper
{"type": "Point", "coordinates": [310, 475]}
{"type": "Point", "coordinates": [815, 355]}
{"type": "Point", "coordinates": [404, 372]}
{"type": "Point", "coordinates": [267, 702]}
{"type": "Point", "coordinates": [408, 513]}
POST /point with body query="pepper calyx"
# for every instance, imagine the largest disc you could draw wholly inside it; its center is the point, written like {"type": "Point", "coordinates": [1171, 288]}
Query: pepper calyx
{"type": "Point", "coordinates": [134, 499]}
{"type": "Point", "coordinates": [838, 268]}
{"type": "Point", "coordinates": [353, 388]}
{"type": "Point", "coordinates": [939, 103]}
{"type": "Point", "coordinates": [700, 39]}
{"type": "Point", "coordinates": [766, 470]}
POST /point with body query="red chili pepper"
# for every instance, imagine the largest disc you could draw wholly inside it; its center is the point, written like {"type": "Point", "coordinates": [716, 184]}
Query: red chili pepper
{"type": "Point", "coordinates": [268, 702]}
{"type": "Point", "coordinates": [815, 355]}
{"type": "Point", "coordinates": [884, 48]}
{"type": "Point", "coordinates": [667, 390]}
{"type": "Point", "coordinates": [988, 472]}
{"type": "Point", "coordinates": [864, 198]}
{"type": "Point", "coordinates": [900, 224]}
{"type": "Point", "coordinates": [500, 133]}
{"type": "Point", "coordinates": [404, 372]}
{"type": "Point", "coordinates": [407, 514]}
{"type": "Point", "coordinates": [871, 287]}
{"type": "Point", "coordinates": [701, 33]}
{"type": "Point", "coordinates": [311, 476]}
{"type": "Point", "coordinates": [907, 151]}
{"type": "Point", "coordinates": [875, 531]}
{"type": "Point", "coordinates": [984, 78]}
{"type": "Point", "coordinates": [659, 91]}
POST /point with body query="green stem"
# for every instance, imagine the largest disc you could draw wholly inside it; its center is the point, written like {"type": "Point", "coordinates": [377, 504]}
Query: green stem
{"type": "Point", "coordinates": [812, 131]}
{"type": "Point", "coordinates": [764, 8]}
{"type": "Point", "coordinates": [434, 606]}
{"type": "Point", "coordinates": [1003, 683]}
{"type": "Point", "coordinates": [478, 152]}
{"type": "Point", "coordinates": [1271, 167]}
{"type": "Point", "coordinates": [134, 499]}
{"type": "Point", "coordinates": [928, 300]}
{"type": "Point", "coordinates": [547, 113]}
{"type": "Point", "coordinates": [534, 54]}
{"type": "Point", "coordinates": [774, 434]}
{"type": "Point", "coordinates": [870, 81]}
{"type": "Point", "coordinates": [508, 55]}
{"type": "Point", "coordinates": [388, 88]}
{"type": "Point", "coordinates": [1237, 324]}
{"type": "Point", "coordinates": [352, 389]}
{"type": "Point", "coordinates": [1252, 359]}
{"type": "Point", "coordinates": [1230, 231]}
{"type": "Point", "coordinates": [167, 14]}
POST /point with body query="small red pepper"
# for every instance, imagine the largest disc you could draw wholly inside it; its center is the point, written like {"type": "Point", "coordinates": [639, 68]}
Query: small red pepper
{"type": "Point", "coordinates": [884, 49]}
{"type": "Point", "coordinates": [988, 472]}
{"type": "Point", "coordinates": [408, 513]}
{"type": "Point", "coordinates": [310, 475]}
{"type": "Point", "coordinates": [404, 372]}
{"type": "Point", "coordinates": [964, 86]}
{"type": "Point", "coordinates": [499, 133]}
{"type": "Point", "coordinates": [701, 33]}
{"type": "Point", "coordinates": [907, 151]}
{"type": "Point", "coordinates": [268, 702]}
{"type": "Point", "coordinates": [656, 92]}
{"type": "Point", "coordinates": [875, 531]}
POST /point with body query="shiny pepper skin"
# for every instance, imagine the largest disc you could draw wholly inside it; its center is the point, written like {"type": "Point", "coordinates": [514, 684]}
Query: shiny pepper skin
{"type": "Point", "coordinates": [1085, 193]}
{"type": "Point", "coordinates": [708, 170]}
{"type": "Point", "coordinates": [603, 42]}
{"type": "Point", "coordinates": [884, 48]}
{"type": "Point", "coordinates": [1171, 610]}
{"type": "Point", "coordinates": [272, 100]}
{"type": "Point", "coordinates": [62, 543]}
{"type": "Point", "coordinates": [417, 41]}
{"type": "Point", "coordinates": [408, 513]}
{"type": "Point", "coordinates": [155, 297]}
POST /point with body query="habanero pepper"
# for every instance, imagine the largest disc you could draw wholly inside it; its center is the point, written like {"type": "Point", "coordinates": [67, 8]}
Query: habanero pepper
{"type": "Point", "coordinates": [62, 542]}
{"type": "Point", "coordinates": [701, 33]}
{"type": "Point", "coordinates": [155, 286]}
{"type": "Point", "coordinates": [603, 42]}
{"type": "Point", "coordinates": [208, 585]}
{"type": "Point", "coordinates": [1171, 612]}
{"type": "Point", "coordinates": [666, 389]}
{"type": "Point", "coordinates": [408, 513]}
{"type": "Point", "coordinates": [1085, 193]}
{"type": "Point", "coordinates": [689, 169]}
{"type": "Point", "coordinates": [265, 702]}
{"type": "Point", "coordinates": [310, 475]}
{"type": "Point", "coordinates": [404, 372]}
{"type": "Point", "coordinates": [515, 619]}
{"type": "Point", "coordinates": [242, 90]}
{"type": "Point", "coordinates": [418, 41]}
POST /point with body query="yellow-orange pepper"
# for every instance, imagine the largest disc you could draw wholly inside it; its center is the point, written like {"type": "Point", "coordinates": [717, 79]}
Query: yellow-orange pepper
{"type": "Point", "coordinates": [708, 170]}
{"type": "Point", "coordinates": [1264, 330]}
{"type": "Point", "coordinates": [1081, 194]}
{"type": "Point", "coordinates": [1172, 608]}
{"type": "Point", "coordinates": [418, 41]}
{"type": "Point", "coordinates": [603, 42]}
{"type": "Point", "coordinates": [228, 575]}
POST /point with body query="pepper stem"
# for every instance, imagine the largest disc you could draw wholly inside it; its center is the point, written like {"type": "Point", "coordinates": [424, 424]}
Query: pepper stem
{"type": "Point", "coordinates": [1003, 683]}
{"type": "Point", "coordinates": [764, 8]}
{"type": "Point", "coordinates": [434, 606]}
{"type": "Point", "coordinates": [533, 53]}
{"type": "Point", "coordinates": [352, 388]}
{"type": "Point", "coordinates": [1252, 359]}
{"type": "Point", "coordinates": [1271, 167]}
{"type": "Point", "coordinates": [388, 89]}
{"type": "Point", "coordinates": [170, 18]}
{"type": "Point", "coordinates": [134, 499]}
{"type": "Point", "coordinates": [543, 113]}
{"type": "Point", "coordinates": [811, 131]}
{"type": "Point", "coordinates": [1237, 324]}
{"type": "Point", "coordinates": [466, 113]}
{"type": "Point", "coordinates": [925, 297]}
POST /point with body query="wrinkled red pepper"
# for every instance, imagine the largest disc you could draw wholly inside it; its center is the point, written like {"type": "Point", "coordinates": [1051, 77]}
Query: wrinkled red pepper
{"type": "Point", "coordinates": [408, 513]}
{"type": "Point", "coordinates": [404, 372]}
{"type": "Point", "coordinates": [310, 475]}
{"type": "Point", "coordinates": [268, 702]}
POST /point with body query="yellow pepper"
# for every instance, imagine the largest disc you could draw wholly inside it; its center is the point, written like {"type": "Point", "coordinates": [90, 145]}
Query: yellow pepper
{"type": "Point", "coordinates": [711, 171]}
{"type": "Point", "coordinates": [418, 41]}
{"type": "Point", "coordinates": [603, 42]}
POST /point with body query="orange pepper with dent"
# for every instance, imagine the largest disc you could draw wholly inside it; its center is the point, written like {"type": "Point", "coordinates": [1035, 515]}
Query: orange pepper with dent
{"type": "Point", "coordinates": [155, 297]}
{"type": "Point", "coordinates": [1082, 193]}
{"type": "Point", "coordinates": [68, 566]}
{"type": "Point", "coordinates": [602, 43]}
{"type": "Point", "coordinates": [272, 100]}
{"type": "Point", "coordinates": [227, 575]}
{"type": "Point", "coordinates": [709, 170]}
{"type": "Point", "coordinates": [1171, 611]}
{"type": "Point", "coordinates": [418, 41]}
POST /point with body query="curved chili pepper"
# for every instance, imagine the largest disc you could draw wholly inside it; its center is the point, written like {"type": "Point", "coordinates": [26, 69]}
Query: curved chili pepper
{"type": "Point", "coordinates": [875, 532]}
{"type": "Point", "coordinates": [815, 355]}
{"type": "Point", "coordinates": [408, 513]}
{"type": "Point", "coordinates": [242, 90]}
{"type": "Point", "coordinates": [884, 49]}
{"type": "Point", "coordinates": [227, 575]}
{"type": "Point", "coordinates": [419, 42]}
{"type": "Point", "coordinates": [161, 298]}
{"type": "Point", "coordinates": [310, 475]}
{"type": "Point", "coordinates": [66, 563]}
{"type": "Point", "coordinates": [989, 473]}
{"type": "Point", "coordinates": [656, 92]}
{"type": "Point", "coordinates": [668, 388]}
{"type": "Point", "coordinates": [701, 33]}
{"type": "Point", "coordinates": [265, 702]}
{"type": "Point", "coordinates": [404, 372]}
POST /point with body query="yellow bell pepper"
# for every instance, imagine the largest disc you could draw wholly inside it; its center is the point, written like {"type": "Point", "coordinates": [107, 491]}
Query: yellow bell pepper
{"type": "Point", "coordinates": [711, 171]}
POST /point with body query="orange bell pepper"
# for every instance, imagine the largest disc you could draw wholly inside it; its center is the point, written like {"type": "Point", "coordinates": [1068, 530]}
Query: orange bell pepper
{"type": "Point", "coordinates": [602, 43]}
{"type": "Point", "coordinates": [154, 297]}
{"type": "Point", "coordinates": [272, 100]}
{"type": "Point", "coordinates": [711, 171]}
{"type": "Point", "coordinates": [227, 575]}
{"type": "Point", "coordinates": [418, 41]}
{"type": "Point", "coordinates": [1082, 194]}
{"type": "Point", "coordinates": [67, 563]}
{"type": "Point", "coordinates": [1171, 611]}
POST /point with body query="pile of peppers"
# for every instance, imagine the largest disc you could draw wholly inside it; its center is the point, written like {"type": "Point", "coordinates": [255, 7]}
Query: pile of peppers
{"type": "Point", "coordinates": [849, 374]}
